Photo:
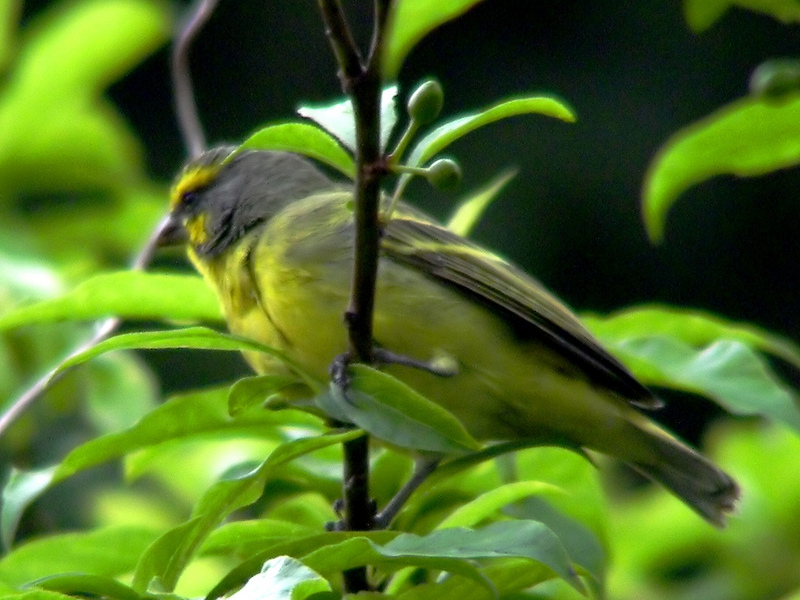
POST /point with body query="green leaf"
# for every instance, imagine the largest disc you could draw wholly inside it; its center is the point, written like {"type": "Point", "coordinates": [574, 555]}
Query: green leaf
{"type": "Point", "coordinates": [393, 412]}
{"type": "Point", "coordinates": [362, 551]}
{"type": "Point", "coordinates": [578, 517]}
{"type": "Point", "coordinates": [728, 372]}
{"type": "Point", "coordinates": [339, 118]}
{"type": "Point", "coordinates": [110, 551]}
{"type": "Point", "coordinates": [127, 294]}
{"type": "Point", "coordinates": [471, 209]}
{"type": "Point", "coordinates": [701, 14]}
{"type": "Point", "coordinates": [305, 139]}
{"type": "Point", "coordinates": [190, 337]}
{"type": "Point", "coordinates": [119, 391]}
{"type": "Point", "coordinates": [87, 585]}
{"type": "Point", "coordinates": [447, 133]}
{"type": "Point", "coordinates": [523, 539]}
{"type": "Point", "coordinates": [35, 594]}
{"type": "Point", "coordinates": [694, 327]}
{"type": "Point", "coordinates": [509, 577]}
{"type": "Point", "coordinates": [283, 578]}
{"type": "Point", "coordinates": [168, 556]}
{"type": "Point", "coordinates": [298, 548]}
{"type": "Point", "coordinates": [487, 504]}
{"type": "Point", "coordinates": [410, 21]}
{"type": "Point", "coordinates": [195, 415]}
{"type": "Point", "coordinates": [19, 491]}
{"type": "Point", "coordinates": [246, 538]}
{"type": "Point", "coordinates": [90, 45]}
{"type": "Point", "coordinates": [746, 138]}
{"type": "Point", "coordinates": [52, 99]}
{"type": "Point", "coordinates": [9, 18]}
{"type": "Point", "coordinates": [251, 392]}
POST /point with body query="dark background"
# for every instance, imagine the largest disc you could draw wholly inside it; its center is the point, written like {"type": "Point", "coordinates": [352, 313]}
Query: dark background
{"type": "Point", "coordinates": [634, 72]}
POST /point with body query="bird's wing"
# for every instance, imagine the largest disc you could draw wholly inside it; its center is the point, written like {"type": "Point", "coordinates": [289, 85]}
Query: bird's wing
{"type": "Point", "coordinates": [531, 311]}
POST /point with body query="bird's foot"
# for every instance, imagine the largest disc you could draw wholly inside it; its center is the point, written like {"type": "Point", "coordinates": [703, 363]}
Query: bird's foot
{"type": "Point", "coordinates": [443, 366]}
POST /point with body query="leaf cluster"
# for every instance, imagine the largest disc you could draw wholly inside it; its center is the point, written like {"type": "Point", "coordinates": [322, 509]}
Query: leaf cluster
{"type": "Point", "coordinates": [228, 490]}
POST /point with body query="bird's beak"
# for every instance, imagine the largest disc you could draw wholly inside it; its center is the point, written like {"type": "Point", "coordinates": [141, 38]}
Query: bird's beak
{"type": "Point", "coordinates": [171, 232]}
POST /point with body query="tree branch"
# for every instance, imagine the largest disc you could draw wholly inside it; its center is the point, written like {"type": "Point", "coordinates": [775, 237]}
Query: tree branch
{"type": "Point", "coordinates": [362, 83]}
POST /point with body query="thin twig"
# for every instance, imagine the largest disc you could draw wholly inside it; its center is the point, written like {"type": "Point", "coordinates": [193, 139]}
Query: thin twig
{"type": "Point", "coordinates": [104, 330]}
{"type": "Point", "coordinates": [183, 93]}
{"type": "Point", "coordinates": [341, 39]}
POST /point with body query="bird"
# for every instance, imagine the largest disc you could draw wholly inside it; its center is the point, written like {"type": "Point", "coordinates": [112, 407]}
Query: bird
{"type": "Point", "coordinates": [273, 236]}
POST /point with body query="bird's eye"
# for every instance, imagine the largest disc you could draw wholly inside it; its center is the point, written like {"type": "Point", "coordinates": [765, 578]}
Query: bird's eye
{"type": "Point", "coordinates": [188, 199]}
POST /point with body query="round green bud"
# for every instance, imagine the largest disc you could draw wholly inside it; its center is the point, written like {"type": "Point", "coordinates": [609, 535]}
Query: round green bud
{"type": "Point", "coordinates": [444, 174]}
{"type": "Point", "coordinates": [774, 79]}
{"type": "Point", "coordinates": [425, 103]}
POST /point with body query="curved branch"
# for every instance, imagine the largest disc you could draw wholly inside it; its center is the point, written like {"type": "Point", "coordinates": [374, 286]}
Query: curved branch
{"type": "Point", "coordinates": [185, 104]}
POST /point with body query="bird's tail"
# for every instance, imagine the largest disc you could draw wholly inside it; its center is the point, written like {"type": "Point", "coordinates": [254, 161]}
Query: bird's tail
{"type": "Point", "coordinates": [694, 479]}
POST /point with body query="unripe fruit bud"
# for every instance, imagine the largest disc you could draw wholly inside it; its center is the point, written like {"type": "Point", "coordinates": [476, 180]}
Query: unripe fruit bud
{"type": "Point", "coordinates": [773, 79]}
{"type": "Point", "coordinates": [425, 103]}
{"type": "Point", "coordinates": [444, 174]}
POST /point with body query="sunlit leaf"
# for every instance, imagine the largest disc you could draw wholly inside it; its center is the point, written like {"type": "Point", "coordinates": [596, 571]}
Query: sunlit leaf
{"type": "Point", "coordinates": [245, 538]}
{"type": "Point", "coordinates": [168, 556]}
{"type": "Point", "coordinates": [90, 45]}
{"type": "Point", "coordinates": [9, 17]}
{"type": "Point", "coordinates": [104, 152]}
{"type": "Point", "coordinates": [52, 99]}
{"type": "Point", "coordinates": [190, 337]}
{"type": "Point", "coordinates": [283, 578]}
{"type": "Point", "coordinates": [694, 327]}
{"type": "Point", "coordinates": [447, 133]}
{"type": "Point", "coordinates": [410, 21]}
{"type": "Point", "coordinates": [728, 372]}
{"type": "Point", "coordinates": [339, 119]}
{"type": "Point", "coordinates": [110, 551]}
{"type": "Point", "coordinates": [473, 512]}
{"type": "Point", "coordinates": [395, 413]}
{"type": "Point", "coordinates": [128, 294]}
{"type": "Point", "coordinates": [747, 138]}
{"type": "Point", "coordinates": [191, 416]}
{"type": "Point", "coordinates": [302, 138]}
{"type": "Point", "coordinates": [578, 517]}
{"type": "Point", "coordinates": [84, 584]}
{"type": "Point", "coordinates": [299, 547]}
{"type": "Point", "coordinates": [361, 551]}
{"type": "Point", "coordinates": [471, 209]}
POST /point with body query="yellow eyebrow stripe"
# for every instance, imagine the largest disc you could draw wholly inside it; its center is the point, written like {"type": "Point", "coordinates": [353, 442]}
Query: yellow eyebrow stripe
{"type": "Point", "coordinates": [194, 178]}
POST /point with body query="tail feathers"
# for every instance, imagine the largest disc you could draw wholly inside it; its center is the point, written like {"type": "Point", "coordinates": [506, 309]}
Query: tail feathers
{"type": "Point", "coordinates": [695, 480]}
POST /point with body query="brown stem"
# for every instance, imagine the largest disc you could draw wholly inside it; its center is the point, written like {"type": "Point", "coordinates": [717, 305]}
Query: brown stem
{"type": "Point", "coordinates": [362, 83]}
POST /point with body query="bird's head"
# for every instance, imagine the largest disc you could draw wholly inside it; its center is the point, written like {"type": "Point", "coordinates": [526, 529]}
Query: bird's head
{"type": "Point", "coordinates": [220, 196]}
